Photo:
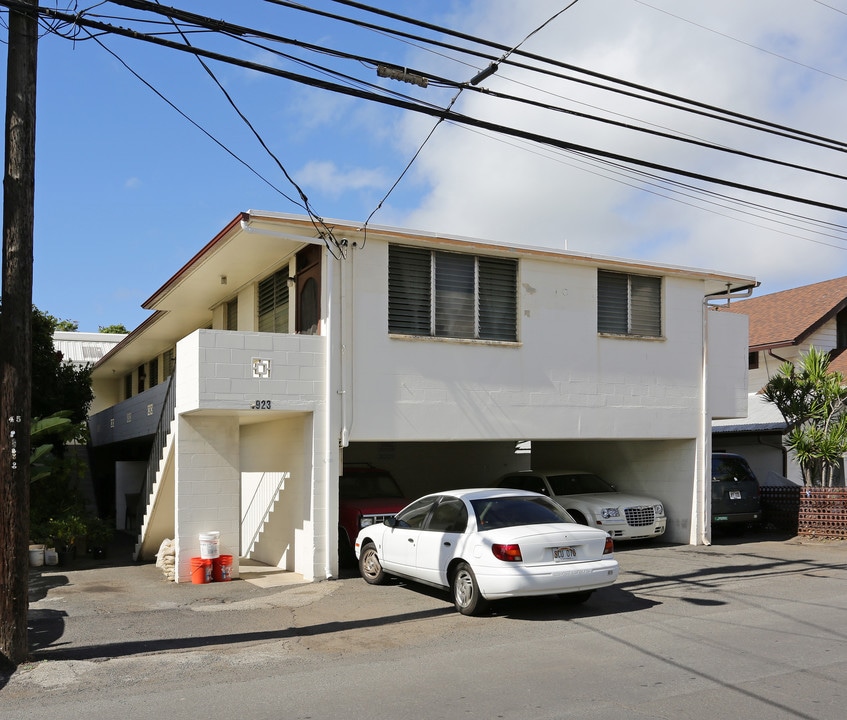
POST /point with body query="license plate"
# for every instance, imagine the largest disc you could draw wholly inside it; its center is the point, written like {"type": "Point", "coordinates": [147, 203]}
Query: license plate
{"type": "Point", "coordinates": [734, 494]}
{"type": "Point", "coordinates": [563, 553]}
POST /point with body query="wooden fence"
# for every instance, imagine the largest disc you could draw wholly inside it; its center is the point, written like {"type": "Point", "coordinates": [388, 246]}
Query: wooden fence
{"type": "Point", "coordinates": [809, 512]}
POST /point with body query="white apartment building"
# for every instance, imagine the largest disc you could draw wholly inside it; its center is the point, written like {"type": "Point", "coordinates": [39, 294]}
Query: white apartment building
{"type": "Point", "coordinates": [287, 347]}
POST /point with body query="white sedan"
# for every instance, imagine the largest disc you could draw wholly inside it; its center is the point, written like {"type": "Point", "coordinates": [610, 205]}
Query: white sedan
{"type": "Point", "coordinates": [590, 500]}
{"type": "Point", "coordinates": [487, 544]}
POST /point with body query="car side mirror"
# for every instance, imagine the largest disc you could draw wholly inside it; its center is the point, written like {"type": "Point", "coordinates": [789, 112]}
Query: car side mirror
{"type": "Point", "coordinates": [391, 522]}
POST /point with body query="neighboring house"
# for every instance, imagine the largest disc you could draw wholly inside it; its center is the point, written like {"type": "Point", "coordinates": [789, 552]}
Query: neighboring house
{"type": "Point", "coordinates": [783, 326]}
{"type": "Point", "coordinates": [81, 349]}
{"type": "Point", "coordinates": [84, 348]}
{"type": "Point", "coordinates": [282, 351]}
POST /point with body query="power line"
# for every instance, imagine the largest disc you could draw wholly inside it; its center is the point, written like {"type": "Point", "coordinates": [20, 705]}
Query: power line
{"type": "Point", "coordinates": [489, 71]}
{"type": "Point", "coordinates": [661, 96]}
{"type": "Point", "coordinates": [323, 231]}
{"type": "Point", "coordinates": [423, 108]}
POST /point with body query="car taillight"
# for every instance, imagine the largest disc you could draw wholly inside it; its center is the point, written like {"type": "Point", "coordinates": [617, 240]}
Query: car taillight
{"type": "Point", "coordinates": [508, 553]}
{"type": "Point", "coordinates": [610, 546]}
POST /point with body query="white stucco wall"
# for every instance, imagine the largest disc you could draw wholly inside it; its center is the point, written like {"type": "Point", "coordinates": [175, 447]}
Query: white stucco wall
{"type": "Point", "coordinates": [561, 381]}
{"type": "Point", "coordinates": [727, 364]}
{"type": "Point", "coordinates": [218, 400]}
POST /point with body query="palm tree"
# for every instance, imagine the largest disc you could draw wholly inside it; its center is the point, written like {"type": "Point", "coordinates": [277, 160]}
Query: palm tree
{"type": "Point", "coordinates": [813, 400]}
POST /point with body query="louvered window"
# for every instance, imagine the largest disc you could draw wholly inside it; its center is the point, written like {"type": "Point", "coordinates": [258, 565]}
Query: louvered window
{"type": "Point", "coordinates": [169, 362]}
{"type": "Point", "coordinates": [153, 372]}
{"type": "Point", "coordinates": [273, 302]}
{"type": "Point", "coordinates": [232, 314]}
{"type": "Point", "coordinates": [629, 304]}
{"type": "Point", "coordinates": [441, 294]}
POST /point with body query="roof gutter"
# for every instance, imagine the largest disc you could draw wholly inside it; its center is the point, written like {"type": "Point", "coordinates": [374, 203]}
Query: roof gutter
{"type": "Point", "coordinates": [740, 293]}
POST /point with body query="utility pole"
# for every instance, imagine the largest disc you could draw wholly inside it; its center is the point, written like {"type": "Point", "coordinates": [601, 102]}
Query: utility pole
{"type": "Point", "coordinates": [16, 333]}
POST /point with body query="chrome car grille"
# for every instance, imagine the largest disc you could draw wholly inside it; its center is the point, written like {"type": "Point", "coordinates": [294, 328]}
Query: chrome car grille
{"type": "Point", "coordinates": [639, 516]}
{"type": "Point", "coordinates": [377, 519]}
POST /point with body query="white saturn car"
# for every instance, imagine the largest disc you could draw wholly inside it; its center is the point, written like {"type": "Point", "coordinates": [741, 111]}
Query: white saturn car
{"type": "Point", "coordinates": [488, 544]}
{"type": "Point", "coordinates": [592, 501]}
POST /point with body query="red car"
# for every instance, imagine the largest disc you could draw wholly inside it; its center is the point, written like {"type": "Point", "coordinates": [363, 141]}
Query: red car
{"type": "Point", "coordinates": [367, 495]}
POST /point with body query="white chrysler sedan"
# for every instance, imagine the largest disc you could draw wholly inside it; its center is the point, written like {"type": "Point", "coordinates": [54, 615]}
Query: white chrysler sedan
{"type": "Point", "coordinates": [590, 500]}
{"type": "Point", "coordinates": [488, 544]}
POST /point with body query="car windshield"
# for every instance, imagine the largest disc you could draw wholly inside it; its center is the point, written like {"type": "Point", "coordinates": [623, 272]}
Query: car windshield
{"type": "Point", "coordinates": [730, 468]}
{"type": "Point", "coordinates": [578, 484]}
{"type": "Point", "coordinates": [361, 486]}
{"type": "Point", "coordinates": [503, 512]}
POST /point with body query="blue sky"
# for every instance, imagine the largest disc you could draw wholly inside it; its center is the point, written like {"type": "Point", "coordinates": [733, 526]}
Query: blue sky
{"type": "Point", "coordinates": [128, 190]}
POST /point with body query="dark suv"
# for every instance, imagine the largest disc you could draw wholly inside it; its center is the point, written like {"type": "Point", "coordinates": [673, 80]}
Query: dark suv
{"type": "Point", "coordinates": [366, 495]}
{"type": "Point", "coordinates": [735, 492]}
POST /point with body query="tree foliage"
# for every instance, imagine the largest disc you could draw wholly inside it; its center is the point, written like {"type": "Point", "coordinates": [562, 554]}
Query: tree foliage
{"type": "Point", "coordinates": [66, 325]}
{"type": "Point", "coordinates": [114, 329]}
{"type": "Point", "coordinates": [57, 385]}
{"type": "Point", "coordinates": [813, 401]}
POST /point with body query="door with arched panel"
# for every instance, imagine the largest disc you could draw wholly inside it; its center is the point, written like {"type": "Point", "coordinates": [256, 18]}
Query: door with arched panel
{"type": "Point", "coordinates": [308, 309]}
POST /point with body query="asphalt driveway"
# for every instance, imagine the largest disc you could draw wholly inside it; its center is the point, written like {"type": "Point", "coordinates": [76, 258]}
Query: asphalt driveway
{"type": "Point", "coordinates": [755, 623]}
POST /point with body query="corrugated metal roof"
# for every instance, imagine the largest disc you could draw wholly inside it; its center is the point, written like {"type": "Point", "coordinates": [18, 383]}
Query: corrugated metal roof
{"type": "Point", "coordinates": [84, 348]}
{"type": "Point", "coordinates": [762, 416]}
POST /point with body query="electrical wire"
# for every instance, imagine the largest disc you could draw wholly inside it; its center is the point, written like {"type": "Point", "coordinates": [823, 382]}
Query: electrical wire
{"type": "Point", "coordinates": [320, 226]}
{"type": "Point", "coordinates": [410, 104]}
{"type": "Point", "coordinates": [661, 97]}
{"type": "Point", "coordinates": [437, 112]}
{"type": "Point", "coordinates": [492, 68]}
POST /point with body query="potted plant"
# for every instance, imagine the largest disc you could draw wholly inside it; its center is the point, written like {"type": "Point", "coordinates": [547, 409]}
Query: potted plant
{"type": "Point", "coordinates": [67, 532]}
{"type": "Point", "coordinates": [99, 536]}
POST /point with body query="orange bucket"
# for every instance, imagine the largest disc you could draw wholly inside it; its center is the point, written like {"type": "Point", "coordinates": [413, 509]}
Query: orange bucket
{"type": "Point", "coordinates": [222, 568]}
{"type": "Point", "coordinates": [201, 570]}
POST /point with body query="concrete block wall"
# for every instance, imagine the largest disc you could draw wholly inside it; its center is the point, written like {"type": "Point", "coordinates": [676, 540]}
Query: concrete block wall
{"type": "Point", "coordinates": [207, 487]}
{"type": "Point", "coordinates": [226, 379]}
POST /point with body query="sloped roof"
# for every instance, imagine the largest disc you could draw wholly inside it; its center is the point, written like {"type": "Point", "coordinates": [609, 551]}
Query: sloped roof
{"type": "Point", "coordinates": [762, 416]}
{"type": "Point", "coordinates": [81, 348]}
{"type": "Point", "coordinates": [786, 318]}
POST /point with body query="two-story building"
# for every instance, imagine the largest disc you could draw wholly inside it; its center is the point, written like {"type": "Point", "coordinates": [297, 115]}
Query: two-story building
{"type": "Point", "coordinates": [288, 347]}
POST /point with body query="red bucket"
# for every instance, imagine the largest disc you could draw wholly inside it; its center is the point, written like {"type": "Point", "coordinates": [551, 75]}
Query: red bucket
{"type": "Point", "coordinates": [222, 568]}
{"type": "Point", "coordinates": [201, 570]}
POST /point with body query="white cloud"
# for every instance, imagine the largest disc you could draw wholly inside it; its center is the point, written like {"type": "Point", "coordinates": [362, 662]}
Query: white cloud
{"type": "Point", "coordinates": [328, 178]}
{"type": "Point", "coordinates": [503, 189]}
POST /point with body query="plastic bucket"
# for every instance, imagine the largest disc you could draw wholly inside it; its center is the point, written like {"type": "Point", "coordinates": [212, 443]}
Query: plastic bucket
{"type": "Point", "coordinates": [222, 568]}
{"type": "Point", "coordinates": [36, 555]}
{"type": "Point", "coordinates": [201, 570]}
{"type": "Point", "coordinates": [209, 545]}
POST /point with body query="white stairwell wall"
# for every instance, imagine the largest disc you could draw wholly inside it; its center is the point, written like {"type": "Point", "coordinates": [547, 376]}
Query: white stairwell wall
{"type": "Point", "coordinates": [158, 522]}
{"type": "Point", "coordinates": [259, 493]}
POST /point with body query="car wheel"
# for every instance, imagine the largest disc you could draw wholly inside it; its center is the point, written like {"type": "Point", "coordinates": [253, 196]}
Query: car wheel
{"type": "Point", "coordinates": [466, 594]}
{"type": "Point", "coordinates": [575, 598]}
{"type": "Point", "coordinates": [369, 565]}
{"type": "Point", "coordinates": [578, 517]}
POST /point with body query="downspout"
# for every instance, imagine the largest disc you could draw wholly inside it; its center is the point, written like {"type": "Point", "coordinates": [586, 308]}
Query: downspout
{"type": "Point", "coordinates": [701, 534]}
{"type": "Point", "coordinates": [345, 279]}
{"type": "Point", "coordinates": [329, 437]}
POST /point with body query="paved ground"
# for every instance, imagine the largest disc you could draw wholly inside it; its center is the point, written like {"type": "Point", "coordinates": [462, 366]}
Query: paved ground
{"type": "Point", "coordinates": [755, 622]}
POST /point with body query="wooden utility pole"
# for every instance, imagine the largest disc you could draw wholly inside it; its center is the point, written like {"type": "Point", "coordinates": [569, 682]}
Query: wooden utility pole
{"type": "Point", "coordinates": [16, 333]}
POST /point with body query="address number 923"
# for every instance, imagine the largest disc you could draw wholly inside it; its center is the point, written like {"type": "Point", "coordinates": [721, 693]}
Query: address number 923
{"type": "Point", "coordinates": [261, 405]}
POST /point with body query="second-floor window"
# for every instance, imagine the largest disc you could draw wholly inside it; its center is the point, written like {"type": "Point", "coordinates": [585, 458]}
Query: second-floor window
{"type": "Point", "coordinates": [629, 304]}
{"type": "Point", "coordinates": [153, 372]}
{"type": "Point", "coordinates": [273, 302]}
{"type": "Point", "coordinates": [232, 314]}
{"type": "Point", "coordinates": [445, 294]}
